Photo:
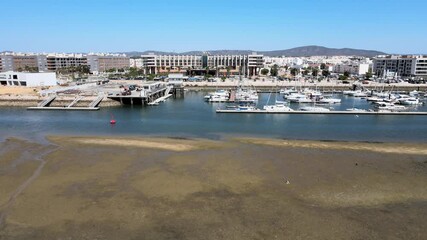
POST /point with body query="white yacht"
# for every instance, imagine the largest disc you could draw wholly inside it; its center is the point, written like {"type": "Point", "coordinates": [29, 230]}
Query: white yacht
{"type": "Point", "coordinates": [278, 107]}
{"type": "Point", "coordinates": [218, 96]}
{"type": "Point", "coordinates": [329, 100]}
{"type": "Point", "coordinates": [246, 95]}
{"type": "Point", "coordinates": [360, 94]}
{"type": "Point", "coordinates": [315, 109]}
{"type": "Point", "coordinates": [355, 110]}
{"type": "Point", "coordinates": [409, 101]}
{"type": "Point", "coordinates": [388, 107]}
{"type": "Point", "coordinates": [288, 91]}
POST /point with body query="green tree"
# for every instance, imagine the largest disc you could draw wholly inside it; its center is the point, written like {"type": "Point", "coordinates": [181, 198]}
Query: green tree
{"type": "Point", "coordinates": [323, 66]}
{"type": "Point", "coordinates": [305, 72]}
{"type": "Point", "coordinates": [228, 71]}
{"type": "Point", "coordinates": [274, 70]}
{"type": "Point", "coordinates": [346, 74]}
{"type": "Point", "coordinates": [325, 73]}
{"type": "Point", "coordinates": [342, 77]}
{"type": "Point", "coordinates": [315, 72]}
{"type": "Point", "coordinates": [264, 71]}
{"type": "Point", "coordinates": [294, 71]}
{"type": "Point", "coordinates": [368, 74]}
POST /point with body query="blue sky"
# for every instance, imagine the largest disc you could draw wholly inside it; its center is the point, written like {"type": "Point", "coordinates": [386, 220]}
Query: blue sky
{"type": "Point", "coordinates": [182, 25]}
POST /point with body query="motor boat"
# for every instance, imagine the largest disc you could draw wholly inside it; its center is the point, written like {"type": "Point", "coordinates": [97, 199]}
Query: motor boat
{"type": "Point", "coordinates": [355, 110]}
{"type": "Point", "coordinates": [389, 107]}
{"type": "Point", "coordinates": [218, 96]}
{"type": "Point", "coordinates": [409, 101]}
{"type": "Point", "coordinates": [315, 109]}
{"type": "Point", "coordinates": [278, 107]}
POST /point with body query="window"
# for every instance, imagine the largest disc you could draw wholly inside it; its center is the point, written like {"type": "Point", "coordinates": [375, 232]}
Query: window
{"type": "Point", "coordinates": [15, 76]}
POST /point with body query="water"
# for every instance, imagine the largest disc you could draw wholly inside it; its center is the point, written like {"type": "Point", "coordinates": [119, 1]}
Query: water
{"type": "Point", "coordinates": [192, 117]}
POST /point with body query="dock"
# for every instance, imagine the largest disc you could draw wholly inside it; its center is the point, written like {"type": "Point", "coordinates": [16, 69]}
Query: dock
{"type": "Point", "coordinates": [65, 108]}
{"type": "Point", "coordinates": [259, 111]}
{"type": "Point", "coordinates": [45, 104]}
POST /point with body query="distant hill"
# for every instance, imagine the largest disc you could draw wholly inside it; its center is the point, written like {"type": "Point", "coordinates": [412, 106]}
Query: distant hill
{"type": "Point", "coordinates": [322, 51]}
{"type": "Point", "coordinates": [294, 52]}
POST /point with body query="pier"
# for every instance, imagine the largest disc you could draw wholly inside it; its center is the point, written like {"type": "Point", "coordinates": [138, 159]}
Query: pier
{"type": "Point", "coordinates": [259, 111]}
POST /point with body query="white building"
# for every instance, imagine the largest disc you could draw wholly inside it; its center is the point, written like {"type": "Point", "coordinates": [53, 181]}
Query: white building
{"type": "Point", "coordinates": [401, 65]}
{"type": "Point", "coordinates": [28, 79]}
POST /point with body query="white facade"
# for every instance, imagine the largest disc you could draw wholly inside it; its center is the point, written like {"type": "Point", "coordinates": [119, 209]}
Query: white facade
{"type": "Point", "coordinates": [28, 79]}
{"type": "Point", "coordinates": [402, 65]}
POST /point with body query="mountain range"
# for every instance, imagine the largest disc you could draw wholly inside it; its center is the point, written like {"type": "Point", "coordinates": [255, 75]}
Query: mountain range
{"type": "Point", "coordinates": [292, 52]}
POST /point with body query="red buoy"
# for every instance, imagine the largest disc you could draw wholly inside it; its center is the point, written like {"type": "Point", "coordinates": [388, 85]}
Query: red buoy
{"type": "Point", "coordinates": [112, 121]}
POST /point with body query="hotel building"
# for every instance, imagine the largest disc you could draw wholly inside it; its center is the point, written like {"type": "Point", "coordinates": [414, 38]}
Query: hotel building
{"type": "Point", "coordinates": [248, 65]}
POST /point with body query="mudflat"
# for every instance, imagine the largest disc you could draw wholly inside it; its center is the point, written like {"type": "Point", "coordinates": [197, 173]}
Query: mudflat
{"type": "Point", "coordinates": [237, 188]}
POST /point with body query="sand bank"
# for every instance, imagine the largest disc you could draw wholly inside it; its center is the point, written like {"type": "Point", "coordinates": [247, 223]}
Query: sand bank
{"type": "Point", "coordinates": [155, 143]}
{"type": "Point", "coordinates": [162, 188]}
{"type": "Point", "coordinates": [395, 148]}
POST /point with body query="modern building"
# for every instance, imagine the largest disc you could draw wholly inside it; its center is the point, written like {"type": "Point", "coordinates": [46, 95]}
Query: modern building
{"type": "Point", "coordinates": [103, 62]}
{"type": "Point", "coordinates": [244, 64]}
{"type": "Point", "coordinates": [352, 68]}
{"type": "Point", "coordinates": [11, 78]}
{"type": "Point", "coordinates": [401, 65]}
{"type": "Point", "coordinates": [155, 64]}
{"type": "Point", "coordinates": [6, 63]}
{"type": "Point", "coordinates": [53, 62]}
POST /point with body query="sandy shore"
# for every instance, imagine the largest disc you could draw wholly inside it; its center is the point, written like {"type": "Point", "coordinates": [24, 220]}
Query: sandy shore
{"type": "Point", "coordinates": [241, 188]}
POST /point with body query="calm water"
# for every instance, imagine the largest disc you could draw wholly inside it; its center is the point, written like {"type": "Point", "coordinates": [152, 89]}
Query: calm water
{"type": "Point", "coordinates": [192, 117]}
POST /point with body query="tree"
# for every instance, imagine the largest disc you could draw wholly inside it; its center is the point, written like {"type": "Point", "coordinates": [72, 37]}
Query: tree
{"type": "Point", "coordinates": [326, 73]}
{"type": "Point", "coordinates": [294, 71]}
{"type": "Point", "coordinates": [346, 74]}
{"type": "Point", "coordinates": [323, 66]}
{"type": "Point", "coordinates": [228, 71]}
{"type": "Point", "coordinates": [274, 70]}
{"type": "Point", "coordinates": [315, 72]}
{"type": "Point", "coordinates": [368, 74]}
{"type": "Point", "coordinates": [264, 71]}
{"type": "Point", "coordinates": [342, 77]}
{"type": "Point", "coordinates": [305, 72]}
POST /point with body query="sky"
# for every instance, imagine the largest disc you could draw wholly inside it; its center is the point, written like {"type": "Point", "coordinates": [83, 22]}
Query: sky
{"type": "Point", "coordinates": [392, 26]}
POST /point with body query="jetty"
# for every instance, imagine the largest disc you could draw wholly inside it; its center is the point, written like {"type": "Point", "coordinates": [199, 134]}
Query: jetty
{"type": "Point", "coordinates": [259, 111]}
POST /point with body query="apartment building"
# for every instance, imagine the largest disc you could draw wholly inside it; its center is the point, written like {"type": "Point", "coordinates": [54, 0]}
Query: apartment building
{"type": "Point", "coordinates": [401, 65]}
{"type": "Point", "coordinates": [53, 62]}
{"type": "Point", "coordinates": [104, 62]}
{"type": "Point", "coordinates": [420, 68]}
{"type": "Point", "coordinates": [352, 68]}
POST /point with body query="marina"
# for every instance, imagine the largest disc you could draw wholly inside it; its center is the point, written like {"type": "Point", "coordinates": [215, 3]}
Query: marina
{"type": "Point", "coordinates": [191, 116]}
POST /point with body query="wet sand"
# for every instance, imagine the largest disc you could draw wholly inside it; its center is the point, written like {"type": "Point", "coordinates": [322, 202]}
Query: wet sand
{"type": "Point", "coordinates": [242, 188]}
